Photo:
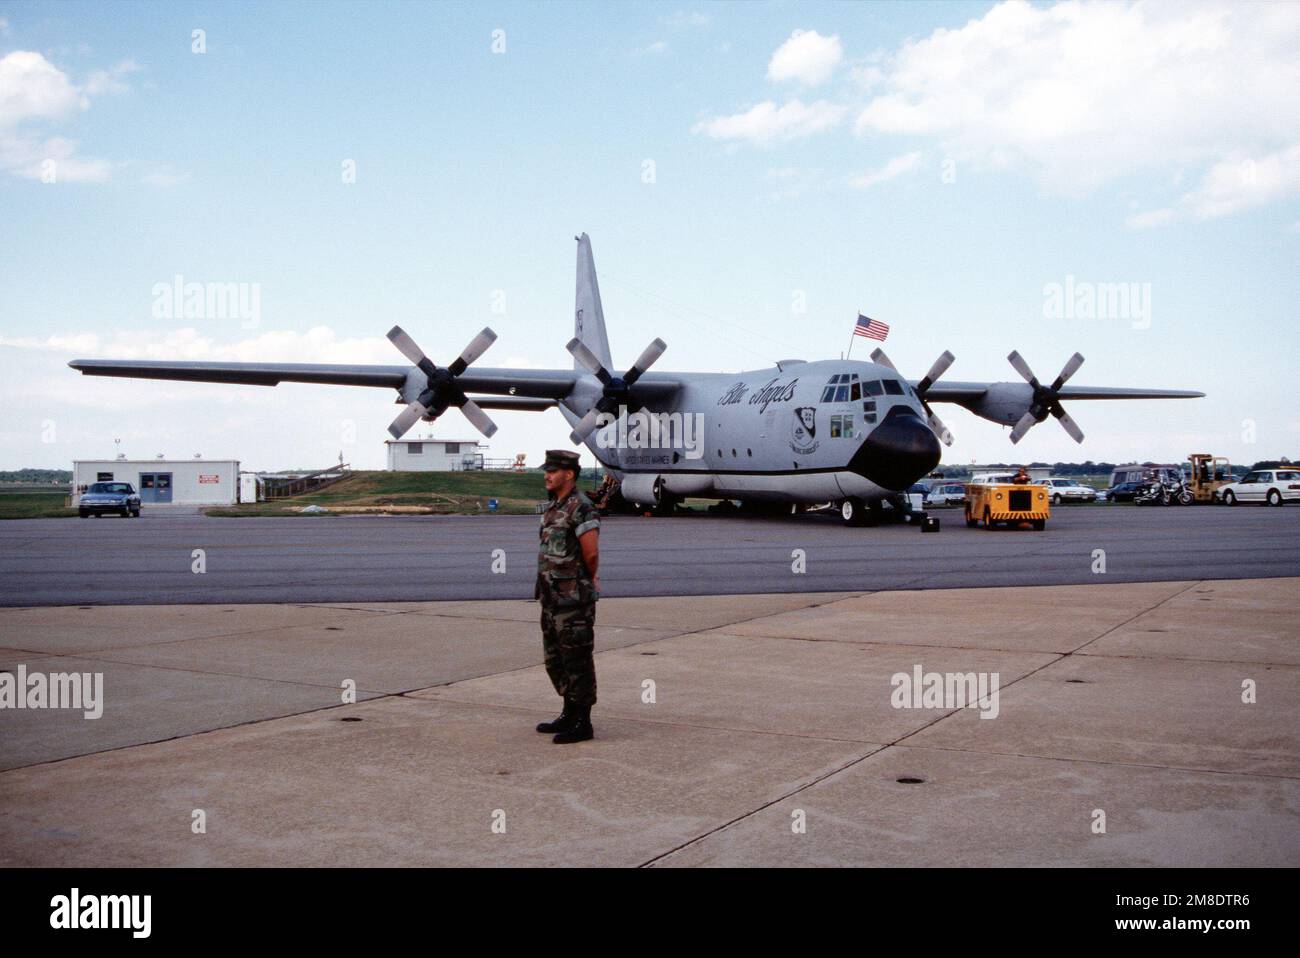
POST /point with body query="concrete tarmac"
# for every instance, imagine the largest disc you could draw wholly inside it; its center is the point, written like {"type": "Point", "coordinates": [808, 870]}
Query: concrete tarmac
{"type": "Point", "coordinates": [1136, 724]}
{"type": "Point", "coordinates": [392, 559]}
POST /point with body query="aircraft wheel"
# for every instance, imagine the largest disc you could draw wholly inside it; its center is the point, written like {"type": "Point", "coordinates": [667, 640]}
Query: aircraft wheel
{"type": "Point", "coordinates": [1229, 498]}
{"type": "Point", "coordinates": [853, 511]}
{"type": "Point", "coordinates": [1274, 497]}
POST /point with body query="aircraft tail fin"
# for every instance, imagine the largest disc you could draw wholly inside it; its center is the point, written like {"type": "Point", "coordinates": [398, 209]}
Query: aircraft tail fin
{"type": "Point", "coordinates": [588, 317]}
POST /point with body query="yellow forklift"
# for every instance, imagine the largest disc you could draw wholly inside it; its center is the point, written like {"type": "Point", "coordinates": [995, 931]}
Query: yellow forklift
{"type": "Point", "coordinates": [1208, 474]}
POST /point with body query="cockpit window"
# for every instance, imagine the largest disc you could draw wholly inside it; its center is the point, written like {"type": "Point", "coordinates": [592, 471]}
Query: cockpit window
{"type": "Point", "coordinates": [874, 388]}
{"type": "Point", "coordinates": [842, 387]}
{"type": "Point", "coordinates": [893, 387]}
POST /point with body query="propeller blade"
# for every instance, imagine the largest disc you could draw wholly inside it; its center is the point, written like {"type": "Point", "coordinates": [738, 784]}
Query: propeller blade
{"type": "Point", "coordinates": [938, 369]}
{"type": "Point", "coordinates": [477, 347]}
{"type": "Point", "coordinates": [649, 356]}
{"type": "Point", "coordinates": [406, 345]}
{"type": "Point", "coordinates": [588, 360]}
{"type": "Point", "coordinates": [586, 425]}
{"type": "Point", "coordinates": [940, 430]}
{"type": "Point", "coordinates": [1070, 368]}
{"type": "Point", "coordinates": [878, 356]}
{"type": "Point", "coordinates": [478, 418]}
{"type": "Point", "coordinates": [1026, 423]}
{"type": "Point", "coordinates": [1068, 424]}
{"type": "Point", "coordinates": [407, 418]}
{"type": "Point", "coordinates": [1022, 367]}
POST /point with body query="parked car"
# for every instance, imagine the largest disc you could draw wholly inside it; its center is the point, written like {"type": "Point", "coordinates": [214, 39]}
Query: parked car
{"type": "Point", "coordinates": [1274, 486]}
{"type": "Point", "coordinates": [119, 498]}
{"type": "Point", "coordinates": [1124, 492]}
{"type": "Point", "coordinates": [1069, 490]}
{"type": "Point", "coordinates": [946, 494]}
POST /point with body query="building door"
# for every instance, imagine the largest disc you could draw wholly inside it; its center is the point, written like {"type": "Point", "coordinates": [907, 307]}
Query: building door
{"type": "Point", "coordinates": [155, 487]}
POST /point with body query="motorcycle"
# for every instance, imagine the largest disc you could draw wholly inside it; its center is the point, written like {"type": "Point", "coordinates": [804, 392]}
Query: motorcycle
{"type": "Point", "coordinates": [1159, 492]}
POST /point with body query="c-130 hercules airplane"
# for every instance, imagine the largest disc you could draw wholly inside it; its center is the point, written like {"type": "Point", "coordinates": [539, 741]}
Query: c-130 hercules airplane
{"type": "Point", "coordinates": [846, 431]}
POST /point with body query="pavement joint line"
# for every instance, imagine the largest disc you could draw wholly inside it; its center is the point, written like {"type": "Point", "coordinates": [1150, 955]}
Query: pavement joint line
{"type": "Point", "coordinates": [765, 805]}
{"type": "Point", "coordinates": [623, 716]}
{"type": "Point", "coordinates": [1179, 658]}
{"type": "Point", "coordinates": [1168, 598]}
{"type": "Point", "coordinates": [1095, 761]}
{"type": "Point", "coordinates": [796, 791]}
{"type": "Point", "coordinates": [183, 735]}
{"type": "Point", "coordinates": [232, 675]}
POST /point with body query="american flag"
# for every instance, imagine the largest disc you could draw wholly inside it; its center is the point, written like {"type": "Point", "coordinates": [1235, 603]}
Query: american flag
{"type": "Point", "coordinates": [871, 328]}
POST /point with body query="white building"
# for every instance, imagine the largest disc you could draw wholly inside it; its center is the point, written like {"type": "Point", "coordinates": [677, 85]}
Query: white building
{"type": "Point", "coordinates": [435, 455]}
{"type": "Point", "coordinates": [190, 482]}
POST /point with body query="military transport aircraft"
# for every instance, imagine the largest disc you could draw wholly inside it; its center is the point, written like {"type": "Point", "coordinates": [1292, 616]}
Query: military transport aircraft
{"type": "Point", "coordinates": [850, 432]}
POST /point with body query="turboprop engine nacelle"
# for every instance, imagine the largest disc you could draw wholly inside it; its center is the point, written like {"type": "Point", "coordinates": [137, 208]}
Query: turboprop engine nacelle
{"type": "Point", "coordinates": [651, 488]}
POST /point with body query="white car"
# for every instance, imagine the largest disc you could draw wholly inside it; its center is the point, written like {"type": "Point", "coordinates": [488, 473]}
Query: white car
{"type": "Point", "coordinates": [1068, 490]}
{"type": "Point", "coordinates": [1274, 486]}
{"type": "Point", "coordinates": [946, 494]}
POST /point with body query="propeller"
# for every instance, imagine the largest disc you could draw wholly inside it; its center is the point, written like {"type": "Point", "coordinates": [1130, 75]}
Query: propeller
{"type": "Point", "coordinates": [1046, 399]}
{"type": "Point", "coordinates": [615, 391]}
{"type": "Point", "coordinates": [938, 369]}
{"type": "Point", "coordinates": [442, 390]}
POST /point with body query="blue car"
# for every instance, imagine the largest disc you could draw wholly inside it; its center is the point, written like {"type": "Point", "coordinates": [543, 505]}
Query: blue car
{"type": "Point", "coordinates": [119, 498]}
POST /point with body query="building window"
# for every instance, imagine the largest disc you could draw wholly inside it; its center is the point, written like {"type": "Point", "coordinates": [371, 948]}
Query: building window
{"type": "Point", "coordinates": [415, 448]}
{"type": "Point", "coordinates": [103, 477]}
{"type": "Point", "coordinates": [452, 448]}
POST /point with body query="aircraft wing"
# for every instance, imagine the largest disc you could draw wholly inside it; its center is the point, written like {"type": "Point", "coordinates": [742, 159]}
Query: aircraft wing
{"type": "Point", "coordinates": [548, 384]}
{"type": "Point", "coordinates": [944, 391]}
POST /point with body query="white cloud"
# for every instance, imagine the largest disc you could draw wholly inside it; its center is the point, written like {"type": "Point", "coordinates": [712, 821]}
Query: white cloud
{"type": "Point", "coordinates": [1081, 93]}
{"type": "Point", "coordinates": [32, 87]}
{"type": "Point", "coordinates": [4, 27]}
{"type": "Point", "coordinates": [1238, 183]}
{"type": "Point", "coordinates": [35, 91]}
{"type": "Point", "coordinates": [1143, 221]}
{"type": "Point", "coordinates": [110, 81]}
{"type": "Point", "coordinates": [895, 168]}
{"type": "Point", "coordinates": [659, 46]}
{"type": "Point", "coordinates": [807, 57]}
{"type": "Point", "coordinates": [766, 122]}
{"type": "Point", "coordinates": [33, 157]}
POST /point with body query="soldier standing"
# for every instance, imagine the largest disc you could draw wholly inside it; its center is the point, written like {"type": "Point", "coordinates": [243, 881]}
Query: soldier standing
{"type": "Point", "coordinates": [568, 587]}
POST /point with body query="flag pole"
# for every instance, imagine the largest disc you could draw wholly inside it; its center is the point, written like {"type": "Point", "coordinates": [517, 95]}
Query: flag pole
{"type": "Point", "coordinates": [852, 336]}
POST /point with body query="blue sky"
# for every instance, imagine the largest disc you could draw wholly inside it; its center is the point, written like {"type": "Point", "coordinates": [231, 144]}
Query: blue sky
{"type": "Point", "coordinates": [934, 165]}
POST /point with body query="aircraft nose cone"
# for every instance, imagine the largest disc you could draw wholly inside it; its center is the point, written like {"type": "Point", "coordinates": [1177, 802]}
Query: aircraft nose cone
{"type": "Point", "coordinates": [897, 452]}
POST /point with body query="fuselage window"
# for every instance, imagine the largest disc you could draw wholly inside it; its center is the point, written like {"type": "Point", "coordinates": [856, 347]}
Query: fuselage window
{"type": "Point", "coordinates": [893, 387]}
{"type": "Point", "coordinates": [874, 388]}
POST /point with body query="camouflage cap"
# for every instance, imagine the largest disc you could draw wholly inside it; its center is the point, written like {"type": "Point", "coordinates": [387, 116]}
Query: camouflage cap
{"type": "Point", "coordinates": [560, 459]}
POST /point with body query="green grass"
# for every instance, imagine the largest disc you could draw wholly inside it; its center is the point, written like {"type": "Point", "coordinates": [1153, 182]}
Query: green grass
{"type": "Point", "coordinates": [449, 493]}
{"type": "Point", "coordinates": [35, 505]}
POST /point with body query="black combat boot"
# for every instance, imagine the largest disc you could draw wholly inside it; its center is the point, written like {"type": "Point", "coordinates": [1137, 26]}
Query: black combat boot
{"type": "Point", "coordinates": [561, 724]}
{"type": "Point", "coordinates": [580, 728]}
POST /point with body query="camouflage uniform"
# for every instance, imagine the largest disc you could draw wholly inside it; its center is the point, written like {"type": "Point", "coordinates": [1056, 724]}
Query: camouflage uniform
{"type": "Point", "coordinates": [568, 598]}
